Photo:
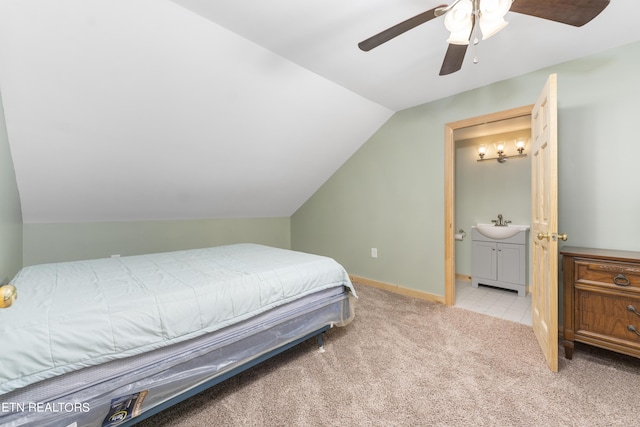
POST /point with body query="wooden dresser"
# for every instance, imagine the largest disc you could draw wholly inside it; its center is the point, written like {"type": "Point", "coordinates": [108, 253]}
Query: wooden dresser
{"type": "Point", "coordinates": [601, 299]}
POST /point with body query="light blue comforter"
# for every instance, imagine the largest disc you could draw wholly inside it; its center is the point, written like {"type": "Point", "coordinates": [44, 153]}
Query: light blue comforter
{"type": "Point", "coordinates": [77, 314]}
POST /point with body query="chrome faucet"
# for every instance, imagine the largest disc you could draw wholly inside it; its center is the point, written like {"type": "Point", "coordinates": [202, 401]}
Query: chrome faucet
{"type": "Point", "coordinates": [499, 222]}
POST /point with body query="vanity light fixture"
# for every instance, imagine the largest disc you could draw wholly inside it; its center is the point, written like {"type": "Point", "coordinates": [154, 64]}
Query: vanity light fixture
{"type": "Point", "coordinates": [500, 148]}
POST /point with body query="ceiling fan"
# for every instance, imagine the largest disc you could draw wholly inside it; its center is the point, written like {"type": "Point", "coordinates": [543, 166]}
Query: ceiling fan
{"type": "Point", "coordinates": [464, 18]}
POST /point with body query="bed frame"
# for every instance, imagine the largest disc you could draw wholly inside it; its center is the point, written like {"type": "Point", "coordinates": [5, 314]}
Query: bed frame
{"type": "Point", "coordinates": [225, 376]}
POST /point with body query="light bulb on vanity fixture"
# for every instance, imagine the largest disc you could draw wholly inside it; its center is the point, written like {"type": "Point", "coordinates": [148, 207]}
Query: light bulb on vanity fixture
{"type": "Point", "coordinates": [500, 150]}
{"type": "Point", "coordinates": [520, 144]}
{"type": "Point", "coordinates": [482, 150]}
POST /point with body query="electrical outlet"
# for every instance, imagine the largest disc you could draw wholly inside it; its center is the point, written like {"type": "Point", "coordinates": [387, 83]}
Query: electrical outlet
{"type": "Point", "coordinates": [115, 256]}
{"type": "Point", "coordinates": [374, 252]}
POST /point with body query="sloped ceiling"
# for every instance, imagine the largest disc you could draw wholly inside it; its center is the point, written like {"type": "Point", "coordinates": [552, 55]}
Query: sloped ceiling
{"type": "Point", "coordinates": [155, 109]}
{"type": "Point", "coordinates": [141, 110]}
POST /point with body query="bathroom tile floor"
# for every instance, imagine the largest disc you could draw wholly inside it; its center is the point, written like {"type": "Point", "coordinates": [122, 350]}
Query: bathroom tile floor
{"type": "Point", "coordinates": [496, 302]}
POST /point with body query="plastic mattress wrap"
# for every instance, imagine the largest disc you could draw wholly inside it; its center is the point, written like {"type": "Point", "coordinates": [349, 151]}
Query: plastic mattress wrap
{"type": "Point", "coordinates": [119, 391]}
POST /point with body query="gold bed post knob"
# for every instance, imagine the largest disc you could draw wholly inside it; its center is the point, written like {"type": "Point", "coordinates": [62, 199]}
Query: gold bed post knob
{"type": "Point", "coordinates": [8, 294]}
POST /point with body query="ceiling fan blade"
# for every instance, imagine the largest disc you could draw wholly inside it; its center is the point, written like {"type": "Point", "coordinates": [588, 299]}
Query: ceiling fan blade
{"type": "Point", "coordinates": [571, 12]}
{"type": "Point", "coordinates": [453, 59]}
{"type": "Point", "coordinates": [398, 29]}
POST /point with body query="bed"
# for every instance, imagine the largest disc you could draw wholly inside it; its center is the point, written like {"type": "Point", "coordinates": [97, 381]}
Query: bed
{"type": "Point", "coordinates": [113, 341]}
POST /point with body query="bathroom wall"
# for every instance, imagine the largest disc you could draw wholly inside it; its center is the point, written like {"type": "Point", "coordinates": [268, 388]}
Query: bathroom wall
{"type": "Point", "coordinates": [488, 188]}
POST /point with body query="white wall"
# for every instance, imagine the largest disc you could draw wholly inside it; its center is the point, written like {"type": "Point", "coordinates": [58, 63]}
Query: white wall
{"type": "Point", "coordinates": [10, 211]}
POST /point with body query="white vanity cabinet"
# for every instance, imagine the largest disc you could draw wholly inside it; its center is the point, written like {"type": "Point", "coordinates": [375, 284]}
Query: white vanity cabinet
{"type": "Point", "coordinates": [499, 262]}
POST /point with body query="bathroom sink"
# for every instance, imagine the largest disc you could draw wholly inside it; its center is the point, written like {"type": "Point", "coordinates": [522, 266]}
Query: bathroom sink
{"type": "Point", "coordinates": [499, 232]}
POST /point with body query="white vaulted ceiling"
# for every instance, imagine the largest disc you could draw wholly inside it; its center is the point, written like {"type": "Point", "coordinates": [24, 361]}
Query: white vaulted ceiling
{"type": "Point", "coordinates": [156, 109]}
{"type": "Point", "coordinates": [140, 110]}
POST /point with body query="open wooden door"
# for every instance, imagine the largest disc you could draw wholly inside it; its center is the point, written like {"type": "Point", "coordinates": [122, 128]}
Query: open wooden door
{"type": "Point", "coordinates": [544, 218]}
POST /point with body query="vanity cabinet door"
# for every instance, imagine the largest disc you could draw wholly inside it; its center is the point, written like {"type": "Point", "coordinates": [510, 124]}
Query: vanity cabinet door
{"type": "Point", "coordinates": [484, 261]}
{"type": "Point", "coordinates": [511, 263]}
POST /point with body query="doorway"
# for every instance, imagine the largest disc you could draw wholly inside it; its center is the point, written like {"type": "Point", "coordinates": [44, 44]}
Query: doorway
{"type": "Point", "coordinates": [452, 130]}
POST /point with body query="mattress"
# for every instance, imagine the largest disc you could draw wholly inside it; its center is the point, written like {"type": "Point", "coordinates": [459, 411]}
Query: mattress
{"type": "Point", "coordinates": [155, 379]}
{"type": "Point", "coordinates": [71, 316]}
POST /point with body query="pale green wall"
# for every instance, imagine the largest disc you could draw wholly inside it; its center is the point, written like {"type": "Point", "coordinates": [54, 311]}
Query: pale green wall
{"type": "Point", "coordinates": [44, 243]}
{"type": "Point", "coordinates": [10, 210]}
{"type": "Point", "coordinates": [382, 198]}
{"type": "Point", "coordinates": [488, 188]}
{"type": "Point", "coordinates": [390, 194]}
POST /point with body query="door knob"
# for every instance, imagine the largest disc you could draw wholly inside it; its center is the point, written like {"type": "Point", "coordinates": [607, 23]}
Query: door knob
{"type": "Point", "coordinates": [548, 236]}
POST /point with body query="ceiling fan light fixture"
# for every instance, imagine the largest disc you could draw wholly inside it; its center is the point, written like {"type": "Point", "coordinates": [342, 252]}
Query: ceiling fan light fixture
{"type": "Point", "coordinates": [459, 22]}
{"type": "Point", "coordinates": [492, 14]}
{"type": "Point", "coordinates": [464, 18]}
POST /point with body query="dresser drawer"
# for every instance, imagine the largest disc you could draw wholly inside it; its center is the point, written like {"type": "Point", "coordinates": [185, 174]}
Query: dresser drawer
{"type": "Point", "coordinates": [617, 274]}
{"type": "Point", "coordinates": [601, 299]}
{"type": "Point", "coordinates": [608, 316]}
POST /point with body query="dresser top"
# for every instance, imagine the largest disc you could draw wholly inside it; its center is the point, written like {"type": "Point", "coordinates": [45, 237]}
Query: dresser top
{"type": "Point", "coordinates": [610, 254]}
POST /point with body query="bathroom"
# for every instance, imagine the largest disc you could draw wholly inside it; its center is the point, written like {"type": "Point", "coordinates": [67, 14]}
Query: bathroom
{"type": "Point", "coordinates": [483, 190]}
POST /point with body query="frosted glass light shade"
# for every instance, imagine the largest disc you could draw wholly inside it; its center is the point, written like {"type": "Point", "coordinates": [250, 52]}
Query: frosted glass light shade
{"type": "Point", "coordinates": [459, 21]}
{"type": "Point", "coordinates": [492, 14]}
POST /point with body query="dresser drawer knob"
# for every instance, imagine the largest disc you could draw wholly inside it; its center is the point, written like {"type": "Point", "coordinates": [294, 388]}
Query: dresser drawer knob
{"type": "Point", "coordinates": [633, 309]}
{"type": "Point", "coordinates": [633, 329]}
{"type": "Point", "coordinates": [621, 280]}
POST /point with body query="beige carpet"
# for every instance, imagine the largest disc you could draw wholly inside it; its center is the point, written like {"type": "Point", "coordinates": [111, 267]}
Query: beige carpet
{"type": "Point", "coordinates": [407, 362]}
